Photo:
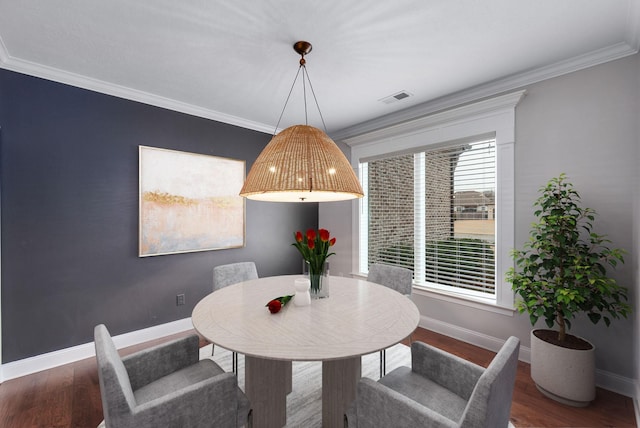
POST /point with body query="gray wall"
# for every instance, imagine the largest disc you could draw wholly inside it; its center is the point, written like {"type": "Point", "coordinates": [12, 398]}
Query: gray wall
{"type": "Point", "coordinates": [69, 176]}
{"type": "Point", "coordinates": [584, 124]}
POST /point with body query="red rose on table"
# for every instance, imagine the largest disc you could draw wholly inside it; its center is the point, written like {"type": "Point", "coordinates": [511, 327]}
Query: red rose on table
{"type": "Point", "coordinates": [274, 306]}
{"type": "Point", "coordinates": [298, 236]}
{"type": "Point", "coordinates": [324, 235]}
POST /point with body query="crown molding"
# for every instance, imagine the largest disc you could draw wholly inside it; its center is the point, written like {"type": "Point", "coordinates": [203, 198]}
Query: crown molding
{"type": "Point", "coordinates": [509, 83]}
{"type": "Point", "coordinates": [487, 107]}
{"type": "Point", "coordinates": [56, 75]}
{"type": "Point", "coordinates": [617, 51]}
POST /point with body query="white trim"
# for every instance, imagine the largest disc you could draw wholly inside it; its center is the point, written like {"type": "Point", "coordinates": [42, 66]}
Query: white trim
{"type": "Point", "coordinates": [375, 143]}
{"type": "Point", "coordinates": [636, 402]}
{"type": "Point", "coordinates": [69, 355]}
{"type": "Point", "coordinates": [604, 379]}
{"type": "Point", "coordinates": [633, 25]}
{"type": "Point", "coordinates": [419, 216]}
{"type": "Point", "coordinates": [505, 217]}
{"type": "Point", "coordinates": [363, 210]}
{"type": "Point", "coordinates": [600, 56]}
{"type": "Point", "coordinates": [616, 383]}
{"type": "Point", "coordinates": [495, 116]}
{"type": "Point", "coordinates": [469, 336]}
{"type": "Point", "coordinates": [77, 80]}
{"type": "Point", "coordinates": [485, 304]}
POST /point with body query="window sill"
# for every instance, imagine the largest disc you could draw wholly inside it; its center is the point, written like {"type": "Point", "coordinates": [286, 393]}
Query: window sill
{"type": "Point", "coordinates": [485, 304]}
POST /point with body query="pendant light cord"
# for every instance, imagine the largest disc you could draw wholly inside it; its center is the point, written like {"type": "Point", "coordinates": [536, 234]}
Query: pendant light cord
{"type": "Point", "coordinates": [287, 101]}
{"type": "Point", "coordinates": [314, 99]}
{"type": "Point", "coordinates": [304, 92]}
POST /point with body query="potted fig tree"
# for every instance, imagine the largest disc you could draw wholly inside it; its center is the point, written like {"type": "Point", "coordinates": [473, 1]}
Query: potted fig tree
{"type": "Point", "coordinates": [562, 272]}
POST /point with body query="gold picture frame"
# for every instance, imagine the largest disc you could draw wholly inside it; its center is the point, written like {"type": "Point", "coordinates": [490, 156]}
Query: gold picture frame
{"type": "Point", "coordinates": [189, 202]}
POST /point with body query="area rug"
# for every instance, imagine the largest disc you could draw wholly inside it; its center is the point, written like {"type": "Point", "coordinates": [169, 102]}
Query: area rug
{"type": "Point", "coordinates": [307, 381]}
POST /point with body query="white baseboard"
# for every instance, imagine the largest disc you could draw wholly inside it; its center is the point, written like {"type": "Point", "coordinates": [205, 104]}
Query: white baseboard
{"type": "Point", "coordinates": [49, 360]}
{"type": "Point", "coordinates": [636, 403]}
{"type": "Point", "coordinates": [482, 340]}
{"type": "Point", "coordinates": [607, 380]}
{"type": "Point", "coordinates": [616, 383]}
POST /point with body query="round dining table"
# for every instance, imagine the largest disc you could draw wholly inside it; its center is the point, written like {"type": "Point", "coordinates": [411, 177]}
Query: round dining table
{"type": "Point", "coordinates": [358, 318]}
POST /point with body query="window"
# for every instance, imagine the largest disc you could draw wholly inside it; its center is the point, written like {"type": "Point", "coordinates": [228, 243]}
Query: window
{"type": "Point", "coordinates": [430, 212]}
{"type": "Point", "coordinates": [439, 199]}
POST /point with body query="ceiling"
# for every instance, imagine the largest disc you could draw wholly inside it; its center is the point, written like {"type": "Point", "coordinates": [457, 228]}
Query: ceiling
{"type": "Point", "coordinates": [233, 61]}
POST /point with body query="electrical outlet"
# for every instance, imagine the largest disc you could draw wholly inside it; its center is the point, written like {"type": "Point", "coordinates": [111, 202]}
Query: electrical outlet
{"type": "Point", "coordinates": [180, 300]}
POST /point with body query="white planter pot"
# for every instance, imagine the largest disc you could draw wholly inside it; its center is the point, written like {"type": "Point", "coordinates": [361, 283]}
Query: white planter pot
{"type": "Point", "coordinates": [564, 375]}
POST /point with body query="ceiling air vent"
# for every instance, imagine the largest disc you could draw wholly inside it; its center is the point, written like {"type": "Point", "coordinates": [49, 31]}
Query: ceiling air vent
{"type": "Point", "coordinates": [396, 97]}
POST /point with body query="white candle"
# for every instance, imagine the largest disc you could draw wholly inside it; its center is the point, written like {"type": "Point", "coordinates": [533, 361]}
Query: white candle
{"type": "Point", "coordinates": [302, 296]}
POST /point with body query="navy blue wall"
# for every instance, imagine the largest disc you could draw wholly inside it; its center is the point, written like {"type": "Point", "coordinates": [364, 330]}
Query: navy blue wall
{"type": "Point", "coordinates": [69, 178]}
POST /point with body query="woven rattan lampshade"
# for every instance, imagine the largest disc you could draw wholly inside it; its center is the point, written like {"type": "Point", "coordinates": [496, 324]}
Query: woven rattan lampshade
{"type": "Point", "coordinates": [301, 164]}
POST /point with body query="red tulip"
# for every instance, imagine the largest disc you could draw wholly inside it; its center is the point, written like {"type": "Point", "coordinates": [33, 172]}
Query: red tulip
{"type": "Point", "coordinates": [274, 306]}
{"type": "Point", "coordinates": [314, 247]}
{"type": "Point", "coordinates": [311, 235]}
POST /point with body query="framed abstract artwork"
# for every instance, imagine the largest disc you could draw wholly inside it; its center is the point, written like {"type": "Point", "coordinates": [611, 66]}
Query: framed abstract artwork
{"type": "Point", "coordinates": [189, 202]}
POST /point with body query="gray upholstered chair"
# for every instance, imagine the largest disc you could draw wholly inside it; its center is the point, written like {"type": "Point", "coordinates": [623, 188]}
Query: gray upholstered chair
{"type": "Point", "coordinates": [439, 390]}
{"type": "Point", "coordinates": [166, 386]}
{"type": "Point", "coordinates": [396, 278]}
{"type": "Point", "coordinates": [233, 273]}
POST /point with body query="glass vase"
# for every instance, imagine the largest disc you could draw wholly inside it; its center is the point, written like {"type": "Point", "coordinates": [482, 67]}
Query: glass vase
{"type": "Point", "coordinates": [319, 280]}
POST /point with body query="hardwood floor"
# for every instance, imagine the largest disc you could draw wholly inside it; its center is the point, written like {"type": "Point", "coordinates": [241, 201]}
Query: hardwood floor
{"type": "Point", "coordinates": [69, 396]}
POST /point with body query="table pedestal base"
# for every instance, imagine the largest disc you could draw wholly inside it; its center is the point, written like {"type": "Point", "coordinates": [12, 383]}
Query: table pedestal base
{"type": "Point", "coordinates": [267, 383]}
{"type": "Point", "coordinates": [339, 384]}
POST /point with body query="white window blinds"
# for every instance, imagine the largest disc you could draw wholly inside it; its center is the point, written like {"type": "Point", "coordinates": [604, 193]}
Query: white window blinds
{"type": "Point", "coordinates": [434, 213]}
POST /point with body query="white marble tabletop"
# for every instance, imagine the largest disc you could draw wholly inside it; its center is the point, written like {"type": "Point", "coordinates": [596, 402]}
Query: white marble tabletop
{"type": "Point", "coordinates": [358, 317]}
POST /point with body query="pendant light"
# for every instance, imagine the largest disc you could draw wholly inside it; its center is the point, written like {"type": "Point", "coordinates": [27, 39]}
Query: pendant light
{"type": "Point", "coordinates": [301, 163]}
